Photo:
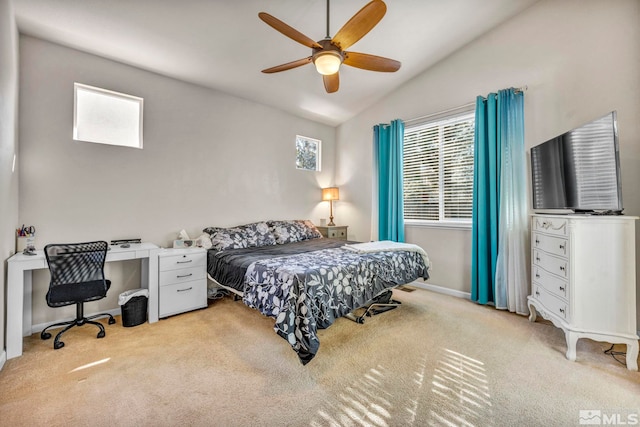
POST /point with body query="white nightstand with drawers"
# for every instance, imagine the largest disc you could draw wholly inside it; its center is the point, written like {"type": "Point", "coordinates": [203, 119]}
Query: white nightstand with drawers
{"type": "Point", "coordinates": [334, 231]}
{"type": "Point", "coordinates": [182, 280]}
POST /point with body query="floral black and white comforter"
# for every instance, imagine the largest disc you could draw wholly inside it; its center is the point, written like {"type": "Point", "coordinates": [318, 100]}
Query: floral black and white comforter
{"type": "Point", "coordinates": [309, 291]}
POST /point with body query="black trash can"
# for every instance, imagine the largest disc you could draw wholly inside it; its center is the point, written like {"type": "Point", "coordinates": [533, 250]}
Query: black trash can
{"type": "Point", "coordinates": [134, 307]}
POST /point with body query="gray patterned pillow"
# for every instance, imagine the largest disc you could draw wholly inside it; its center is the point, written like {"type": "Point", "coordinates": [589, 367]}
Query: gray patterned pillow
{"type": "Point", "coordinates": [243, 236]}
{"type": "Point", "coordinates": [296, 230]}
{"type": "Point", "coordinates": [212, 230]}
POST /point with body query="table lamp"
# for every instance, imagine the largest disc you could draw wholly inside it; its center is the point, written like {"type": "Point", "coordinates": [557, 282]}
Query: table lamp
{"type": "Point", "coordinates": [330, 194]}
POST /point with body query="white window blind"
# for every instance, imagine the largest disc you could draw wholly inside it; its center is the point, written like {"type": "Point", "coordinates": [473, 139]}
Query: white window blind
{"type": "Point", "coordinates": [438, 169]}
{"type": "Point", "coordinates": [106, 117]}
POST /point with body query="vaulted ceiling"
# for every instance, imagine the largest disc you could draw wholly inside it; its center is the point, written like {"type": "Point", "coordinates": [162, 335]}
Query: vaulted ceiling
{"type": "Point", "coordinates": [223, 45]}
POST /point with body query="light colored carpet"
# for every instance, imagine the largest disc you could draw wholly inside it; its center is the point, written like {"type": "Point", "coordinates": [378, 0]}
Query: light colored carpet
{"type": "Point", "coordinates": [437, 360]}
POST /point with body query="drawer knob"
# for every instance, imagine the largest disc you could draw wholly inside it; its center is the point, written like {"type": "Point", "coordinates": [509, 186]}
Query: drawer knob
{"type": "Point", "coordinates": [537, 241]}
{"type": "Point", "coordinates": [537, 258]}
{"type": "Point", "coordinates": [537, 275]}
{"type": "Point", "coordinates": [184, 262]}
{"type": "Point", "coordinates": [562, 288]}
{"type": "Point", "coordinates": [537, 293]}
{"type": "Point", "coordinates": [562, 310]}
{"type": "Point", "coordinates": [184, 275]}
{"type": "Point", "coordinates": [185, 290]}
{"type": "Point", "coordinates": [562, 268]}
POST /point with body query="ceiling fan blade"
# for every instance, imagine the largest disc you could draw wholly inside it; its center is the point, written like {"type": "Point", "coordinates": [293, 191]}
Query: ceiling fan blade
{"type": "Point", "coordinates": [371, 62]}
{"type": "Point", "coordinates": [331, 82]}
{"type": "Point", "coordinates": [288, 31]}
{"type": "Point", "coordinates": [288, 65]}
{"type": "Point", "coordinates": [360, 24]}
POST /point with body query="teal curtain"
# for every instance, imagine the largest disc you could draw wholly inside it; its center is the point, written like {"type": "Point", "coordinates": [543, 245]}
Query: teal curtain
{"type": "Point", "coordinates": [498, 264]}
{"type": "Point", "coordinates": [484, 243]}
{"type": "Point", "coordinates": [388, 141]}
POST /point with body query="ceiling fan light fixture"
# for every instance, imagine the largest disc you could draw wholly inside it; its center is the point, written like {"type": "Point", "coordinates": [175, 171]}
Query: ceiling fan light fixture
{"type": "Point", "coordinates": [327, 63]}
{"type": "Point", "coordinates": [329, 53]}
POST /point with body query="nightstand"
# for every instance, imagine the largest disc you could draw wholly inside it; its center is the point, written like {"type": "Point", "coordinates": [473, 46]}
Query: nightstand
{"type": "Point", "coordinates": [182, 280]}
{"type": "Point", "coordinates": [334, 231]}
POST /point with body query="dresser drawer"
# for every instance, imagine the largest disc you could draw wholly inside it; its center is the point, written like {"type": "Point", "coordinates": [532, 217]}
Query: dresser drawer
{"type": "Point", "coordinates": [552, 303]}
{"type": "Point", "coordinates": [552, 283]}
{"type": "Point", "coordinates": [551, 244]}
{"type": "Point", "coordinates": [553, 264]}
{"type": "Point", "coordinates": [173, 262]}
{"type": "Point", "coordinates": [334, 231]}
{"type": "Point", "coordinates": [182, 275]}
{"type": "Point", "coordinates": [337, 233]}
{"type": "Point", "coordinates": [181, 297]}
{"type": "Point", "coordinates": [555, 226]}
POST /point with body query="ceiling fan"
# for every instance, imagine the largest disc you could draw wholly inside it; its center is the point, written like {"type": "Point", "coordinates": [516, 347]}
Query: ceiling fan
{"type": "Point", "coordinates": [329, 53]}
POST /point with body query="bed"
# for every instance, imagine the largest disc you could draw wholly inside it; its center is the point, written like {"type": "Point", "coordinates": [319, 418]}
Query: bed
{"type": "Point", "coordinates": [288, 271]}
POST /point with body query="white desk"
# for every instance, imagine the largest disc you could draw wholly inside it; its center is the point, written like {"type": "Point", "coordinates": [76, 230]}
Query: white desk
{"type": "Point", "coordinates": [19, 287]}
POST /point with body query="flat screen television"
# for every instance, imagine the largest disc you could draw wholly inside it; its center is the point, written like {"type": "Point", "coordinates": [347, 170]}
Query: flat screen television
{"type": "Point", "coordinates": [579, 170]}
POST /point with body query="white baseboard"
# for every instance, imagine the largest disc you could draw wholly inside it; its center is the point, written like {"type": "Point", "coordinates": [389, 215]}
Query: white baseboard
{"type": "Point", "coordinates": [3, 359]}
{"type": "Point", "coordinates": [40, 326]}
{"type": "Point", "coordinates": [441, 290]}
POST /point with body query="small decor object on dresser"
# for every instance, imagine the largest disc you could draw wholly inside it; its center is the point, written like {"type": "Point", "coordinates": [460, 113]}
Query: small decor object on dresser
{"type": "Point", "coordinates": [182, 280]}
{"type": "Point", "coordinates": [334, 232]}
{"type": "Point", "coordinates": [180, 244]}
{"type": "Point", "coordinates": [583, 275]}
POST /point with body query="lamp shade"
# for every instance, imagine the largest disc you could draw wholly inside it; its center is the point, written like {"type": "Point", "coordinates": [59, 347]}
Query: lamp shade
{"type": "Point", "coordinates": [331, 193]}
{"type": "Point", "coordinates": [327, 63]}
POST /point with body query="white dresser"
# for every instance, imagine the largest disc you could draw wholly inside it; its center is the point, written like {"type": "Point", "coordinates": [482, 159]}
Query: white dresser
{"type": "Point", "coordinates": [182, 280]}
{"type": "Point", "coordinates": [583, 276]}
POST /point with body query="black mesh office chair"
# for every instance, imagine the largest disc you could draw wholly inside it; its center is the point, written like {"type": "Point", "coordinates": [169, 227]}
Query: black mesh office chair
{"type": "Point", "coordinates": [77, 276]}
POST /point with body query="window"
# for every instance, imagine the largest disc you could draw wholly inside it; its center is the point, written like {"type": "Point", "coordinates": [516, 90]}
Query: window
{"type": "Point", "coordinates": [106, 117]}
{"type": "Point", "coordinates": [438, 169]}
{"type": "Point", "coordinates": [307, 153]}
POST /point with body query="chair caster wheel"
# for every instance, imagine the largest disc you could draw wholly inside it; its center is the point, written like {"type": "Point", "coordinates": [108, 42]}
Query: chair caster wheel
{"type": "Point", "coordinates": [58, 345]}
{"type": "Point", "coordinates": [45, 335]}
{"type": "Point", "coordinates": [360, 320]}
{"type": "Point", "coordinates": [112, 321]}
{"type": "Point", "coordinates": [101, 334]}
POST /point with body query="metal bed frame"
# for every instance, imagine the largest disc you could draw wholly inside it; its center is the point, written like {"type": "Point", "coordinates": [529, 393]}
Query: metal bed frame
{"type": "Point", "coordinates": [381, 303]}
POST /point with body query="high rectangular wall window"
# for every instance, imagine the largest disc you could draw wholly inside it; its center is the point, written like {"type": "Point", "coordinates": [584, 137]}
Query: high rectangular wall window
{"type": "Point", "coordinates": [107, 117]}
{"type": "Point", "coordinates": [308, 153]}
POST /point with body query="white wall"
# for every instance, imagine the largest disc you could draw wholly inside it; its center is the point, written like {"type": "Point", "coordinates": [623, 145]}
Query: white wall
{"type": "Point", "coordinates": [8, 148]}
{"type": "Point", "coordinates": [579, 58]}
{"type": "Point", "coordinates": [208, 159]}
